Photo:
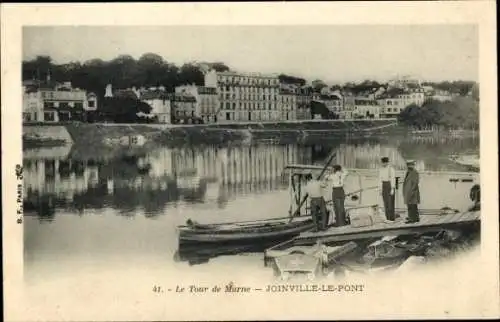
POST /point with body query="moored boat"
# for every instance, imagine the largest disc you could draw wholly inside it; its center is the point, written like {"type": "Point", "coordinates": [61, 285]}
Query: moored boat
{"type": "Point", "coordinates": [277, 229]}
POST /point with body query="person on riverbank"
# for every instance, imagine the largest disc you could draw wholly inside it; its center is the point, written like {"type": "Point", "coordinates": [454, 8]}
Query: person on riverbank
{"type": "Point", "coordinates": [411, 192]}
{"type": "Point", "coordinates": [337, 180]}
{"type": "Point", "coordinates": [317, 204]}
{"type": "Point", "coordinates": [387, 186]}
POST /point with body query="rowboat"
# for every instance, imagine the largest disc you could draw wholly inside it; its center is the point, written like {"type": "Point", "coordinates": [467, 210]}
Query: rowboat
{"type": "Point", "coordinates": [274, 229]}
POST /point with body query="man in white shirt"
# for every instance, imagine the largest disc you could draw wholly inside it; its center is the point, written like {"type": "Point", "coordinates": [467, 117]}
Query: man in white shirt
{"type": "Point", "coordinates": [314, 189]}
{"type": "Point", "coordinates": [387, 186]}
{"type": "Point", "coordinates": [337, 179]}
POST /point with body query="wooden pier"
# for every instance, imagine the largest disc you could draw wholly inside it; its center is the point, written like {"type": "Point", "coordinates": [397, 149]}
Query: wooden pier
{"type": "Point", "coordinates": [427, 223]}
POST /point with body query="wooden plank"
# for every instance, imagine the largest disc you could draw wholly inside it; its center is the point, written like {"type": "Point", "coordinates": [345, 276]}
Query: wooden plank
{"type": "Point", "coordinates": [379, 230]}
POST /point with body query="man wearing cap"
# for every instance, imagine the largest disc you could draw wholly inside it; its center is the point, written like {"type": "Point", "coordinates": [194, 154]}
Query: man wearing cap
{"type": "Point", "coordinates": [411, 192]}
{"type": "Point", "coordinates": [387, 186]}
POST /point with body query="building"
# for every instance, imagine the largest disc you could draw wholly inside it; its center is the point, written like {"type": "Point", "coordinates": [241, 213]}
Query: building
{"type": "Point", "coordinates": [304, 97]}
{"type": "Point", "coordinates": [365, 108]}
{"type": "Point", "coordinates": [287, 104]}
{"type": "Point", "coordinates": [405, 82]}
{"type": "Point", "coordinates": [53, 102]}
{"type": "Point", "coordinates": [244, 96]}
{"type": "Point", "coordinates": [183, 107]}
{"type": "Point", "coordinates": [207, 101]}
{"type": "Point", "coordinates": [440, 95]}
{"type": "Point", "coordinates": [392, 103]}
{"type": "Point", "coordinates": [333, 102]}
{"type": "Point", "coordinates": [349, 104]}
{"type": "Point", "coordinates": [160, 103]}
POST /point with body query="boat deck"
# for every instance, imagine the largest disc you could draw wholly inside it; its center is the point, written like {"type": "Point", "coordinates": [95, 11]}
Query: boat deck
{"type": "Point", "coordinates": [427, 223]}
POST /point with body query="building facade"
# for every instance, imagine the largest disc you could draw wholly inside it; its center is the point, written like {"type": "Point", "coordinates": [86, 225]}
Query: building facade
{"type": "Point", "coordinates": [244, 96]}
{"type": "Point", "coordinates": [391, 106]}
{"type": "Point", "coordinates": [440, 95]}
{"type": "Point", "coordinates": [349, 104]}
{"type": "Point", "coordinates": [160, 103]}
{"type": "Point", "coordinates": [54, 102]}
{"type": "Point", "coordinates": [287, 105]}
{"type": "Point", "coordinates": [365, 108]}
{"type": "Point", "coordinates": [207, 101]}
{"type": "Point", "coordinates": [183, 107]}
{"type": "Point", "coordinates": [304, 97]}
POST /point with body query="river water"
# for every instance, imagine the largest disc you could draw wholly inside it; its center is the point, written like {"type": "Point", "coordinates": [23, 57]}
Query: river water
{"type": "Point", "coordinates": [88, 214]}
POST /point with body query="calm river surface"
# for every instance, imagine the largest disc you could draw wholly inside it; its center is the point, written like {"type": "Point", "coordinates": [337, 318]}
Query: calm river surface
{"type": "Point", "coordinates": [86, 214]}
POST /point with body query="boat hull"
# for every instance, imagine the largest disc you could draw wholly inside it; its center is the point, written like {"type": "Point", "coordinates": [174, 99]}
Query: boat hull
{"type": "Point", "coordinates": [244, 235]}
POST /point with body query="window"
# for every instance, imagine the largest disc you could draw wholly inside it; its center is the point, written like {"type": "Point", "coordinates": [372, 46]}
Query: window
{"type": "Point", "coordinates": [48, 104]}
{"type": "Point", "coordinates": [91, 103]}
{"type": "Point", "coordinates": [49, 116]}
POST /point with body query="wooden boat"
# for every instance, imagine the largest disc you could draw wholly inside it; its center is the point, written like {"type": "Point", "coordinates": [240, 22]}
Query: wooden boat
{"type": "Point", "coordinates": [274, 229]}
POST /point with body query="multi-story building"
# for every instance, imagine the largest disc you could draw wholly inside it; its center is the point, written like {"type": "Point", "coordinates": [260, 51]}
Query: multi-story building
{"type": "Point", "coordinates": [404, 82]}
{"type": "Point", "coordinates": [54, 102]}
{"type": "Point", "coordinates": [287, 105]}
{"type": "Point", "coordinates": [244, 96]}
{"type": "Point", "coordinates": [304, 97]}
{"type": "Point", "coordinates": [207, 101]}
{"type": "Point", "coordinates": [160, 103]}
{"type": "Point", "coordinates": [392, 104]}
{"type": "Point", "coordinates": [440, 95]}
{"type": "Point", "coordinates": [333, 102]}
{"type": "Point", "coordinates": [183, 107]}
{"type": "Point", "coordinates": [366, 108]}
{"type": "Point", "coordinates": [349, 102]}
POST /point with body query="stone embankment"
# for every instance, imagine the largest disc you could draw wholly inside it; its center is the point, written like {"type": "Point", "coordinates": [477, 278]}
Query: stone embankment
{"type": "Point", "coordinates": [102, 134]}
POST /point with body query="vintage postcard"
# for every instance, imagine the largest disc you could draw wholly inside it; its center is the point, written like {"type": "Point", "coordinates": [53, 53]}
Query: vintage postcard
{"type": "Point", "coordinates": [250, 161]}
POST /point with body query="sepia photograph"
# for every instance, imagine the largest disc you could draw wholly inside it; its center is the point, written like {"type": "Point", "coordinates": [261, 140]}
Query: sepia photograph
{"type": "Point", "coordinates": [247, 163]}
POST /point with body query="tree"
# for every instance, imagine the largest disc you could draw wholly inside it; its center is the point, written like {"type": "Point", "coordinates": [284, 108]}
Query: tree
{"type": "Point", "coordinates": [122, 110]}
{"type": "Point", "coordinates": [318, 84]}
{"type": "Point", "coordinates": [219, 67]}
{"type": "Point", "coordinates": [191, 74]}
{"type": "Point", "coordinates": [462, 112]}
{"type": "Point", "coordinates": [287, 79]}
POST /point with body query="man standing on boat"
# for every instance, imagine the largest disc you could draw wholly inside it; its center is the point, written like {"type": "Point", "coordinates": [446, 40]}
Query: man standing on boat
{"type": "Point", "coordinates": [387, 183]}
{"type": "Point", "coordinates": [411, 192]}
{"type": "Point", "coordinates": [317, 205]}
{"type": "Point", "coordinates": [337, 179]}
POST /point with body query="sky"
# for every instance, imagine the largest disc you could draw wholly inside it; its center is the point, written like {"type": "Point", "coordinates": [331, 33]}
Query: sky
{"type": "Point", "coordinates": [332, 53]}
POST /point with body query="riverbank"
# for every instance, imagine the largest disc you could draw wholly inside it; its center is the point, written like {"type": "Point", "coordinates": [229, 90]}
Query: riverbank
{"type": "Point", "coordinates": [98, 134]}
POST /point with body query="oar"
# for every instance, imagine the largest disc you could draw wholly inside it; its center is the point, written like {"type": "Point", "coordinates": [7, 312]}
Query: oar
{"type": "Point", "coordinates": [360, 190]}
{"type": "Point", "coordinates": [319, 177]}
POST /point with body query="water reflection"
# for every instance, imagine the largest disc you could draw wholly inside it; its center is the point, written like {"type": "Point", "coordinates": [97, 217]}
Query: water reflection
{"type": "Point", "coordinates": [149, 182]}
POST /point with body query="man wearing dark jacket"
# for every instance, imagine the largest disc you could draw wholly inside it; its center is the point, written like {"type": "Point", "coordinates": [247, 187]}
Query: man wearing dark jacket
{"type": "Point", "coordinates": [411, 192]}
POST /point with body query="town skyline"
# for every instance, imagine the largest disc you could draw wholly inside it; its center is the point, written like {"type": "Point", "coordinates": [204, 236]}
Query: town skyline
{"type": "Point", "coordinates": [429, 53]}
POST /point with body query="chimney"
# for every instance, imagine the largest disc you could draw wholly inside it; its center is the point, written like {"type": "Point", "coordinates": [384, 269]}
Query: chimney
{"type": "Point", "coordinates": [109, 91]}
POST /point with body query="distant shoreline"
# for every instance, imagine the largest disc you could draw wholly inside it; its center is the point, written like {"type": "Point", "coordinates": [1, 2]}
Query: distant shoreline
{"type": "Point", "coordinates": [99, 134]}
